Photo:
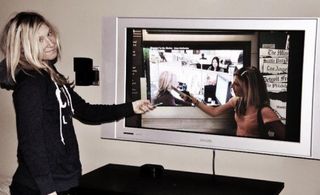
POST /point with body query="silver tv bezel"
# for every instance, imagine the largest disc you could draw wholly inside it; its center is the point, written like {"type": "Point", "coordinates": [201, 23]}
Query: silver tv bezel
{"type": "Point", "coordinates": [113, 81]}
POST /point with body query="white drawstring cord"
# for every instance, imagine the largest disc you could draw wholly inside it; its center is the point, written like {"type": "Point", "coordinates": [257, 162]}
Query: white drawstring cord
{"type": "Point", "coordinates": [69, 97]}
{"type": "Point", "coordinates": [58, 92]}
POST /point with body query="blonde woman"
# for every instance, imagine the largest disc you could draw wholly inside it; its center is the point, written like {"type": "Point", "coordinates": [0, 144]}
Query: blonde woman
{"type": "Point", "coordinates": [166, 81]}
{"type": "Point", "coordinates": [45, 104]}
{"type": "Point", "coordinates": [250, 100]}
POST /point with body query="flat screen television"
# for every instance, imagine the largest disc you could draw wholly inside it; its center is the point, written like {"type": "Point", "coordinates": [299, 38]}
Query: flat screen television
{"type": "Point", "coordinates": [139, 52]}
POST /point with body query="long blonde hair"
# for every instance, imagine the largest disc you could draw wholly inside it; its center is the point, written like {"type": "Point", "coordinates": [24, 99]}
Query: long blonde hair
{"type": "Point", "coordinates": [166, 80]}
{"type": "Point", "coordinates": [20, 46]}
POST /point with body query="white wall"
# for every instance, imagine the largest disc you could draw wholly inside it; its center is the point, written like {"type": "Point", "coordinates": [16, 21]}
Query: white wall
{"type": "Point", "coordinates": [79, 23]}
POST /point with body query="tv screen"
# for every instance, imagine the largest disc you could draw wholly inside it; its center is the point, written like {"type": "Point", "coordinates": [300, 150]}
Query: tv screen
{"type": "Point", "coordinates": [157, 59]}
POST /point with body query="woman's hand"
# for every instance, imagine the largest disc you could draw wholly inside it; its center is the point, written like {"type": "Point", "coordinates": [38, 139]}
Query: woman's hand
{"type": "Point", "coordinates": [186, 96]}
{"type": "Point", "coordinates": [142, 106]}
{"type": "Point", "coordinates": [189, 98]}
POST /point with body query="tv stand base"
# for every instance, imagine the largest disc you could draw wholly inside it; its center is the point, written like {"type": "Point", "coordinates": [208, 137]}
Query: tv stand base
{"type": "Point", "coordinates": [154, 180]}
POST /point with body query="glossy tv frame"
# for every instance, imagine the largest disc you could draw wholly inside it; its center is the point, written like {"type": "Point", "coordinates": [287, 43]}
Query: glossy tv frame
{"type": "Point", "coordinates": [286, 50]}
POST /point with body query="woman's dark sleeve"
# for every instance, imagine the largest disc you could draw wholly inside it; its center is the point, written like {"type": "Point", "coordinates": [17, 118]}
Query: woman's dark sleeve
{"type": "Point", "coordinates": [99, 113]}
{"type": "Point", "coordinates": [28, 101]}
{"type": "Point", "coordinates": [273, 123]}
{"type": "Point", "coordinates": [278, 128]}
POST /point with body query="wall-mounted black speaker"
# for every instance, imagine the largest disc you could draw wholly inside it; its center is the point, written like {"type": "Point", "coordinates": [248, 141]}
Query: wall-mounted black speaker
{"type": "Point", "coordinates": [84, 71]}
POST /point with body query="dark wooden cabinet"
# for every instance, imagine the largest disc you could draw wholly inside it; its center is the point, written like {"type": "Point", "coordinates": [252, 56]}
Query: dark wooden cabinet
{"type": "Point", "coordinates": [123, 179]}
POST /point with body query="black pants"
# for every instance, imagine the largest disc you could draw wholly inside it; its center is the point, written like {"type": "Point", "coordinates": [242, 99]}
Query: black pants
{"type": "Point", "coordinates": [18, 189]}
